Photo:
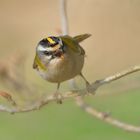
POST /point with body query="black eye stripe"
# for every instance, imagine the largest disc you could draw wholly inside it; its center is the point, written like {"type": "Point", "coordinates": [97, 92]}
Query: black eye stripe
{"type": "Point", "coordinates": [53, 45]}
{"type": "Point", "coordinates": [55, 39]}
{"type": "Point", "coordinates": [44, 42]}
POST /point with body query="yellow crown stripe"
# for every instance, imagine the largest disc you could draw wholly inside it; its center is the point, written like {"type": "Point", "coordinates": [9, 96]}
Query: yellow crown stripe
{"type": "Point", "coordinates": [50, 40]}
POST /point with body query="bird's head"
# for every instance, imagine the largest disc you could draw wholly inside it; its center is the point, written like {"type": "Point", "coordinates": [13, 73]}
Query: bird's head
{"type": "Point", "coordinates": [51, 47]}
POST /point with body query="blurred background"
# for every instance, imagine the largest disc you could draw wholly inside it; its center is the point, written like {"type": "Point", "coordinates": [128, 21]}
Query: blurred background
{"type": "Point", "coordinates": [114, 46]}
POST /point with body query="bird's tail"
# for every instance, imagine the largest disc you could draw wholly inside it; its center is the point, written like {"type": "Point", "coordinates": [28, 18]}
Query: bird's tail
{"type": "Point", "coordinates": [80, 38]}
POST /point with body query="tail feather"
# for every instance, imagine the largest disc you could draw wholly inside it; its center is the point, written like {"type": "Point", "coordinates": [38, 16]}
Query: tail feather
{"type": "Point", "coordinates": [80, 38]}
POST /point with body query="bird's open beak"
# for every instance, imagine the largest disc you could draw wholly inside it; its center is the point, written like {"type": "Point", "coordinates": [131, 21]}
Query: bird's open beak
{"type": "Point", "coordinates": [62, 56]}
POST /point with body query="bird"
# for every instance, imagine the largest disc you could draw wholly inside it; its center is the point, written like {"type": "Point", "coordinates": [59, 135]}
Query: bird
{"type": "Point", "coordinates": [60, 58]}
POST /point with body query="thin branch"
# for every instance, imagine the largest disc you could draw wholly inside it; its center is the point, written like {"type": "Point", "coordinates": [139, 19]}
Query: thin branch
{"type": "Point", "coordinates": [39, 104]}
{"type": "Point", "coordinates": [106, 117]}
{"type": "Point", "coordinates": [94, 86]}
{"type": "Point", "coordinates": [64, 19]}
{"type": "Point", "coordinates": [8, 97]}
{"type": "Point", "coordinates": [70, 94]}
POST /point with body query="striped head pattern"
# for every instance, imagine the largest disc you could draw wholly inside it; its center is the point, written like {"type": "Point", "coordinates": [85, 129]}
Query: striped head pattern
{"type": "Point", "coordinates": [51, 47]}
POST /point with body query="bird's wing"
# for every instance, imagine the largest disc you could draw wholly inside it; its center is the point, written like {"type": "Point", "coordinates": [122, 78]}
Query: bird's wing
{"type": "Point", "coordinates": [37, 63]}
{"type": "Point", "coordinates": [70, 42]}
{"type": "Point", "coordinates": [80, 38]}
{"type": "Point", "coordinates": [73, 42]}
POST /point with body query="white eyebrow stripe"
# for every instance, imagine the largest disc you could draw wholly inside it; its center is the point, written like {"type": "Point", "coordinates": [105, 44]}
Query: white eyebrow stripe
{"type": "Point", "coordinates": [40, 48]}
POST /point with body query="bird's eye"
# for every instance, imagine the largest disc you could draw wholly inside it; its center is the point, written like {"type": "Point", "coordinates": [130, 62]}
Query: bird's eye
{"type": "Point", "coordinates": [47, 53]}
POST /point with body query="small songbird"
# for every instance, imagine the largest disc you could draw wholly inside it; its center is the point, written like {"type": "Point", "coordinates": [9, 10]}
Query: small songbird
{"type": "Point", "coordinates": [59, 59]}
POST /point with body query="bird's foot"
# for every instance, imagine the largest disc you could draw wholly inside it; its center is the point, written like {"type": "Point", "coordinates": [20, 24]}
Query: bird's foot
{"type": "Point", "coordinates": [58, 96]}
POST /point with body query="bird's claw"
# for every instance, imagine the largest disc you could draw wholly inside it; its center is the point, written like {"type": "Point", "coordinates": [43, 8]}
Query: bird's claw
{"type": "Point", "coordinates": [90, 89]}
{"type": "Point", "coordinates": [58, 96]}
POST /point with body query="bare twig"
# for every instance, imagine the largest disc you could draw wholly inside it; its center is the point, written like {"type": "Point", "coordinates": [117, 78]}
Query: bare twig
{"type": "Point", "coordinates": [106, 117]}
{"type": "Point", "coordinates": [39, 104]}
{"type": "Point", "coordinates": [64, 19]}
{"type": "Point", "coordinates": [8, 97]}
{"type": "Point", "coordinates": [94, 86]}
{"type": "Point", "coordinates": [70, 94]}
